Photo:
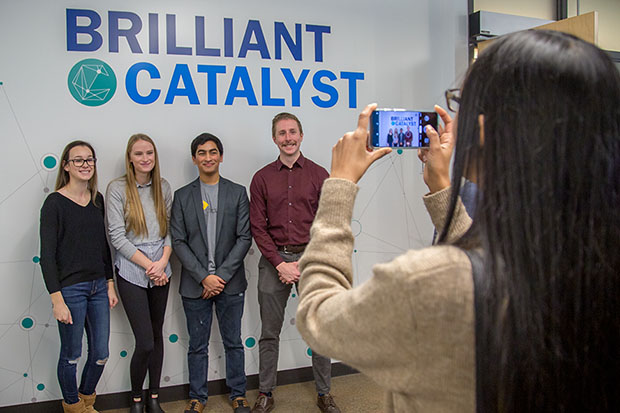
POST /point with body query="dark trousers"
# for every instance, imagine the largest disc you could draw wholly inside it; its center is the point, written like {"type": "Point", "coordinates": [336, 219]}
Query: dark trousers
{"type": "Point", "coordinates": [272, 298]}
{"type": "Point", "coordinates": [199, 315]}
{"type": "Point", "coordinates": [145, 309]}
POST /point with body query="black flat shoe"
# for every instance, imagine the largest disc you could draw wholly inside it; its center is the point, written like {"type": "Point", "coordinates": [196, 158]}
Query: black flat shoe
{"type": "Point", "coordinates": [136, 407]}
{"type": "Point", "coordinates": [152, 405]}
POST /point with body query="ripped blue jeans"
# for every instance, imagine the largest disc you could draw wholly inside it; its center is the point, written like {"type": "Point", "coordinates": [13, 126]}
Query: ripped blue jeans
{"type": "Point", "coordinates": [90, 311]}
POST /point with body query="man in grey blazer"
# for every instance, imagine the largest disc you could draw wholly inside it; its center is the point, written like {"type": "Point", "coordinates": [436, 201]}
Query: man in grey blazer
{"type": "Point", "coordinates": [210, 230]}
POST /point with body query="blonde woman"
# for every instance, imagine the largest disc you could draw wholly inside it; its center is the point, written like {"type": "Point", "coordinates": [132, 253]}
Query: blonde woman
{"type": "Point", "coordinates": [77, 269]}
{"type": "Point", "coordinates": [138, 213]}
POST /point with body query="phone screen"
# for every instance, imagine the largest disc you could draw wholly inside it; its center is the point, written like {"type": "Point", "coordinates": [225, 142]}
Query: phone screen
{"type": "Point", "coordinates": [400, 128]}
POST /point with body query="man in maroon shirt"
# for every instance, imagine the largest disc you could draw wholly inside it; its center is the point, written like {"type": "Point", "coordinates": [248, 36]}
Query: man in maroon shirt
{"type": "Point", "coordinates": [408, 137]}
{"type": "Point", "coordinates": [284, 197]}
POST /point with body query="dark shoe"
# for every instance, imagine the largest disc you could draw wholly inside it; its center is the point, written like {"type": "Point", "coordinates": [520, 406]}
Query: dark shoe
{"type": "Point", "coordinates": [263, 404]}
{"type": "Point", "coordinates": [194, 406]}
{"type": "Point", "coordinates": [327, 404]}
{"type": "Point", "coordinates": [240, 405]}
{"type": "Point", "coordinates": [152, 405]}
{"type": "Point", "coordinates": [136, 407]}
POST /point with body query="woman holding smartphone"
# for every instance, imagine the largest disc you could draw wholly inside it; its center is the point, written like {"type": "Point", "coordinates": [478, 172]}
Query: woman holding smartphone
{"type": "Point", "coordinates": [77, 269]}
{"type": "Point", "coordinates": [517, 310]}
{"type": "Point", "coordinates": [138, 212]}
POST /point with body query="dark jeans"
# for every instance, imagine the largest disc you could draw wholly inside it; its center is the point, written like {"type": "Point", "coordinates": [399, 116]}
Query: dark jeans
{"type": "Point", "coordinates": [145, 309]}
{"type": "Point", "coordinates": [199, 314]}
{"type": "Point", "coordinates": [90, 310]}
{"type": "Point", "coordinates": [272, 298]}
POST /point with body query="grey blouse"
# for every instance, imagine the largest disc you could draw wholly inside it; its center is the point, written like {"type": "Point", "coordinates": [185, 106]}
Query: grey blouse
{"type": "Point", "coordinates": [127, 243]}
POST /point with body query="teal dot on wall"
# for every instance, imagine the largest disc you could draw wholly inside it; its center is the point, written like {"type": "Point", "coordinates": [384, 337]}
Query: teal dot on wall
{"type": "Point", "coordinates": [173, 338]}
{"type": "Point", "coordinates": [354, 250]}
{"type": "Point", "coordinates": [294, 295]}
{"type": "Point", "coordinates": [36, 259]}
{"type": "Point", "coordinates": [250, 342]}
{"type": "Point", "coordinates": [49, 162]}
{"type": "Point", "coordinates": [25, 374]}
{"type": "Point", "coordinates": [309, 352]}
{"type": "Point", "coordinates": [27, 323]}
{"type": "Point", "coordinates": [123, 353]}
{"type": "Point", "coordinates": [400, 151]}
{"type": "Point", "coordinates": [40, 387]}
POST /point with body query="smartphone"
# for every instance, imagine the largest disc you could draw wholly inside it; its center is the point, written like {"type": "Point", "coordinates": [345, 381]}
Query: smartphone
{"type": "Point", "coordinates": [400, 128]}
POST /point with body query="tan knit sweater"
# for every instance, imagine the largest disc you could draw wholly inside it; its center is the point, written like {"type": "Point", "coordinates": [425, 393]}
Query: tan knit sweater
{"type": "Point", "coordinates": [410, 327]}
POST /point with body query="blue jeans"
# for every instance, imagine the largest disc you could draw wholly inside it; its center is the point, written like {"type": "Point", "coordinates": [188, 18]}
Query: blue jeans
{"type": "Point", "coordinates": [90, 310]}
{"type": "Point", "coordinates": [199, 314]}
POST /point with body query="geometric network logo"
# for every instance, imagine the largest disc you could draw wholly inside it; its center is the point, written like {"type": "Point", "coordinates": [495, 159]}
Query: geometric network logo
{"type": "Point", "coordinates": [92, 82]}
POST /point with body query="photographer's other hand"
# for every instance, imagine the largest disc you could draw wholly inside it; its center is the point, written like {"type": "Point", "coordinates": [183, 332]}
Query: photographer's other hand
{"type": "Point", "coordinates": [437, 156]}
{"type": "Point", "coordinates": [351, 156]}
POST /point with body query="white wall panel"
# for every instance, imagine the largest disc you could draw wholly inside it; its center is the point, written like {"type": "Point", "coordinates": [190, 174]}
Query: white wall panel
{"type": "Point", "coordinates": [408, 52]}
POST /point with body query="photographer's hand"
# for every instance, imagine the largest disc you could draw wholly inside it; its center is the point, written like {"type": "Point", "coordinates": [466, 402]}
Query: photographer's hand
{"type": "Point", "coordinates": [437, 156]}
{"type": "Point", "coordinates": [351, 156]}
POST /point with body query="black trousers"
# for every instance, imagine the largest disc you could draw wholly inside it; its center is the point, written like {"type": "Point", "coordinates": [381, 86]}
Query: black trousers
{"type": "Point", "coordinates": [145, 309]}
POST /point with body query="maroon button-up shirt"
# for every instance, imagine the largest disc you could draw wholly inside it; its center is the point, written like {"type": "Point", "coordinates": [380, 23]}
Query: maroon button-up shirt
{"type": "Point", "coordinates": [283, 203]}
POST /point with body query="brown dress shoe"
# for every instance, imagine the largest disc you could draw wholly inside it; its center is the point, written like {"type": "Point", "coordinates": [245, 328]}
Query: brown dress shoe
{"type": "Point", "coordinates": [327, 404]}
{"type": "Point", "coordinates": [240, 405]}
{"type": "Point", "coordinates": [263, 404]}
{"type": "Point", "coordinates": [194, 406]}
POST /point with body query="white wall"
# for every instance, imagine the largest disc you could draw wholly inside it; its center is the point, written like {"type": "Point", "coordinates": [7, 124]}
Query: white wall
{"type": "Point", "coordinates": [608, 14]}
{"type": "Point", "coordinates": [542, 9]}
{"type": "Point", "coordinates": [408, 52]}
{"type": "Point", "coordinates": [608, 18]}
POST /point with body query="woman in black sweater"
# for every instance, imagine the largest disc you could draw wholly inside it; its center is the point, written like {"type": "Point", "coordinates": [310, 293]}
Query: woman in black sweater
{"type": "Point", "coordinates": [77, 269]}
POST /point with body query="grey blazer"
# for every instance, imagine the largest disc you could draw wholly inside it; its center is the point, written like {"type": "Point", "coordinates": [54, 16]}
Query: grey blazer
{"type": "Point", "coordinates": [189, 237]}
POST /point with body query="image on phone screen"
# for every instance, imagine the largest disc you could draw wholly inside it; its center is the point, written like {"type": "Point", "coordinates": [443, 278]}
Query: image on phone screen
{"type": "Point", "coordinates": [400, 128]}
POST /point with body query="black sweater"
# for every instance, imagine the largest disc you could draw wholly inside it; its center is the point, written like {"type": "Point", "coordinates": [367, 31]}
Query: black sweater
{"type": "Point", "coordinates": [74, 247]}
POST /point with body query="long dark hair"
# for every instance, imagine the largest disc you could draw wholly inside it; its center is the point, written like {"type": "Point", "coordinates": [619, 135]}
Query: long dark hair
{"type": "Point", "coordinates": [548, 221]}
{"type": "Point", "coordinates": [63, 178]}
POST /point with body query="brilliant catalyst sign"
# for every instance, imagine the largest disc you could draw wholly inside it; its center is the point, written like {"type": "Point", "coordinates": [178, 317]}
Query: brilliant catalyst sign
{"type": "Point", "coordinates": [93, 82]}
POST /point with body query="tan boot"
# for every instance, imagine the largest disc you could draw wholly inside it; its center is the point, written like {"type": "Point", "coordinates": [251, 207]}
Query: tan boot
{"type": "Point", "coordinates": [78, 407]}
{"type": "Point", "coordinates": [89, 402]}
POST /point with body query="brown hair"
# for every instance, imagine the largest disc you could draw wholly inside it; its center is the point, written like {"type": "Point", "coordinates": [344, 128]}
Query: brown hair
{"type": "Point", "coordinates": [282, 116]}
{"type": "Point", "coordinates": [63, 178]}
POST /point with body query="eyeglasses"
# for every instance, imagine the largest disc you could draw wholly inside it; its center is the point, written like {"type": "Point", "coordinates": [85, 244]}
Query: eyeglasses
{"type": "Point", "coordinates": [79, 162]}
{"type": "Point", "coordinates": [453, 99]}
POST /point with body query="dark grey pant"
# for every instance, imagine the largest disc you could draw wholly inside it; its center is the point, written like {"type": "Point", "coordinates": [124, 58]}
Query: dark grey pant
{"type": "Point", "coordinates": [272, 298]}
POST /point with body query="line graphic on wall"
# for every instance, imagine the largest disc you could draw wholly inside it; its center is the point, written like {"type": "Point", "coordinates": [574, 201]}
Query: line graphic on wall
{"type": "Point", "coordinates": [30, 335]}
